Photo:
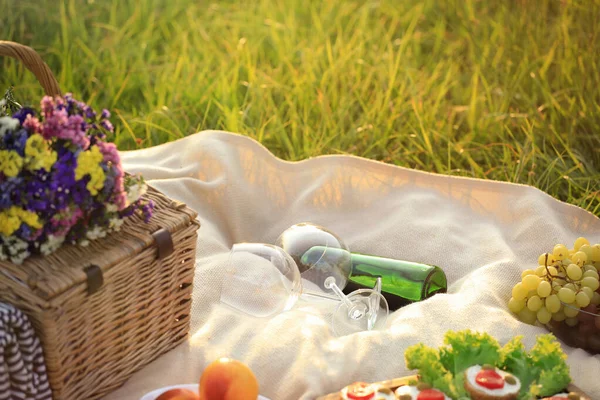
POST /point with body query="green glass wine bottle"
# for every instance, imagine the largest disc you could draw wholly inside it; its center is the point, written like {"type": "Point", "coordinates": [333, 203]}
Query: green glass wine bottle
{"type": "Point", "coordinates": [403, 282]}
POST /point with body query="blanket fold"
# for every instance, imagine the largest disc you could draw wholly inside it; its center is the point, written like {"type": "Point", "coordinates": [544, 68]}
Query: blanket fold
{"type": "Point", "coordinates": [22, 368]}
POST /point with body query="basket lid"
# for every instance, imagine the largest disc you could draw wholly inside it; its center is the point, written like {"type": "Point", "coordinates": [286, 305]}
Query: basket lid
{"type": "Point", "coordinates": [50, 276]}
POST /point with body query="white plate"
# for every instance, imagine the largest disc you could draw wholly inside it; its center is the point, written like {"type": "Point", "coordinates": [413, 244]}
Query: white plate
{"type": "Point", "coordinates": [192, 386]}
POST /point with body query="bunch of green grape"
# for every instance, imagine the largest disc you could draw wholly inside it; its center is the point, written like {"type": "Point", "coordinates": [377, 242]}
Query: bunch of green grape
{"type": "Point", "coordinates": [565, 282]}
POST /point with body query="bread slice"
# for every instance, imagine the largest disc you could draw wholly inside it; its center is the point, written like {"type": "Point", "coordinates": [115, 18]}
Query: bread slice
{"type": "Point", "coordinates": [508, 392]}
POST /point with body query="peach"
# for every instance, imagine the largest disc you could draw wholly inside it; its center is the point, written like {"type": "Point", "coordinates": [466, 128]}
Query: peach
{"type": "Point", "coordinates": [227, 379]}
{"type": "Point", "coordinates": [178, 394]}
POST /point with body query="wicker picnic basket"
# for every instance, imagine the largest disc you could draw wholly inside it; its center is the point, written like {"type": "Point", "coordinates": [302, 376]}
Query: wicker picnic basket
{"type": "Point", "coordinates": [104, 311]}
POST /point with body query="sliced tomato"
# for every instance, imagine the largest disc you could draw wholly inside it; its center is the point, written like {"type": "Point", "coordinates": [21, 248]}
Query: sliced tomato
{"type": "Point", "coordinates": [430, 394]}
{"type": "Point", "coordinates": [360, 391]}
{"type": "Point", "coordinates": [489, 378]}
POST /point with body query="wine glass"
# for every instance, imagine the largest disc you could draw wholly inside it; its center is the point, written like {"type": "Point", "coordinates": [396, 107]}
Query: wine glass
{"type": "Point", "coordinates": [263, 280]}
{"type": "Point", "coordinates": [325, 260]}
{"type": "Point", "coordinates": [318, 253]}
{"type": "Point", "coordinates": [260, 279]}
{"type": "Point", "coordinates": [361, 310]}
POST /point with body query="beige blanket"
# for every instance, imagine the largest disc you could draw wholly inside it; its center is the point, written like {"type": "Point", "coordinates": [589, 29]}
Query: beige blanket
{"type": "Point", "coordinates": [482, 233]}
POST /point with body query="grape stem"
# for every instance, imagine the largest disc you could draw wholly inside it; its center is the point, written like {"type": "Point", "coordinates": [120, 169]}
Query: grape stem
{"type": "Point", "coordinates": [566, 278]}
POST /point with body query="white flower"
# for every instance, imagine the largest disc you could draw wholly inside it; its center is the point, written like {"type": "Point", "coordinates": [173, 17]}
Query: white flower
{"type": "Point", "coordinates": [16, 248]}
{"type": "Point", "coordinates": [84, 243]}
{"type": "Point", "coordinates": [97, 232]}
{"type": "Point", "coordinates": [8, 124]}
{"type": "Point", "coordinates": [2, 102]}
{"type": "Point", "coordinates": [112, 208]}
{"type": "Point", "coordinates": [18, 259]}
{"type": "Point", "coordinates": [134, 192]}
{"type": "Point", "coordinates": [53, 243]}
{"type": "Point", "coordinates": [14, 244]}
{"type": "Point", "coordinates": [115, 224]}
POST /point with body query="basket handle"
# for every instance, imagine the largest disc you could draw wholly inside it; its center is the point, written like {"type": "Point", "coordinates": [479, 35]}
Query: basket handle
{"type": "Point", "coordinates": [32, 62]}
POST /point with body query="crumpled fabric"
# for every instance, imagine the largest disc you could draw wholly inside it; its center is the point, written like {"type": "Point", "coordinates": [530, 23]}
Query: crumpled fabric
{"type": "Point", "coordinates": [483, 234]}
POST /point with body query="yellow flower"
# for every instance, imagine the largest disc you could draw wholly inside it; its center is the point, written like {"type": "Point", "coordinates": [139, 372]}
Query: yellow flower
{"type": "Point", "coordinates": [35, 146]}
{"type": "Point", "coordinates": [30, 218]}
{"type": "Point", "coordinates": [12, 218]}
{"type": "Point", "coordinates": [10, 162]}
{"type": "Point", "coordinates": [88, 163]}
{"type": "Point", "coordinates": [38, 154]}
{"type": "Point", "coordinates": [9, 223]}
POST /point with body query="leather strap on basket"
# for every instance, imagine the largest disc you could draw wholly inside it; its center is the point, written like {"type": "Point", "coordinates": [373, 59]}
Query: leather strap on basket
{"type": "Point", "coordinates": [95, 279]}
{"type": "Point", "coordinates": [164, 242]}
{"type": "Point", "coordinates": [93, 273]}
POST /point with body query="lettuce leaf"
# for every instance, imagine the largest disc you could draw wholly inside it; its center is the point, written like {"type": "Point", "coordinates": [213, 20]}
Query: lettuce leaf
{"type": "Point", "coordinates": [467, 348]}
{"type": "Point", "coordinates": [548, 361]}
{"type": "Point", "coordinates": [514, 359]}
{"type": "Point", "coordinates": [543, 371]}
{"type": "Point", "coordinates": [426, 360]}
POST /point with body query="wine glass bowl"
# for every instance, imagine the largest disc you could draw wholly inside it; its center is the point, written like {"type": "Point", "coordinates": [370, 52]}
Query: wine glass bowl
{"type": "Point", "coordinates": [318, 252]}
{"type": "Point", "coordinates": [260, 280]}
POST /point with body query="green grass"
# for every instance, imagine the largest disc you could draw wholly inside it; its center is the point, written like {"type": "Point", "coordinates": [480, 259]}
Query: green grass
{"type": "Point", "coordinates": [506, 90]}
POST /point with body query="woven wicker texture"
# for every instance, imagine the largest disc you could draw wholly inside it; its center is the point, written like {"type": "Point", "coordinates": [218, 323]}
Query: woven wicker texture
{"type": "Point", "coordinates": [32, 62]}
{"type": "Point", "coordinates": [94, 342]}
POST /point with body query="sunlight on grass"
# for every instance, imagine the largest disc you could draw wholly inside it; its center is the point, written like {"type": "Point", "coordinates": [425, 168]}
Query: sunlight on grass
{"type": "Point", "coordinates": [495, 90]}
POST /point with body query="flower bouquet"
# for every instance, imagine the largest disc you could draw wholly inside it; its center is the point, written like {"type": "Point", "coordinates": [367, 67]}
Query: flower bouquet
{"type": "Point", "coordinates": [61, 181]}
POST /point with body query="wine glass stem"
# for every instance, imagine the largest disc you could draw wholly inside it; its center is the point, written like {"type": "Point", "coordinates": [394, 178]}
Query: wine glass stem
{"type": "Point", "coordinates": [341, 295]}
{"type": "Point", "coordinates": [320, 295]}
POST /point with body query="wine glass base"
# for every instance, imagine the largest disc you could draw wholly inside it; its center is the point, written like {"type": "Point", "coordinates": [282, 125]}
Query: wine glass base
{"type": "Point", "coordinates": [368, 310]}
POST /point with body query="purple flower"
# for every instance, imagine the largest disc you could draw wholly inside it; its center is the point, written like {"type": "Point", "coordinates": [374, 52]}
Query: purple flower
{"type": "Point", "coordinates": [62, 222]}
{"type": "Point", "coordinates": [110, 152]}
{"type": "Point", "coordinates": [22, 114]}
{"type": "Point", "coordinates": [80, 195]}
{"type": "Point", "coordinates": [16, 141]}
{"type": "Point", "coordinates": [60, 103]}
{"type": "Point", "coordinates": [72, 128]}
{"type": "Point", "coordinates": [119, 195]}
{"type": "Point", "coordinates": [47, 105]}
{"type": "Point", "coordinates": [89, 112]}
{"type": "Point", "coordinates": [63, 179]}
{"type": "Point", "coordinates": [109, 182]}
{"type": "Point", "coordinates": [105, 114]}
{"type": "Point", "coordinates": [71, 105]}
{"type": "Point", "coordinates": [32, 124]}
{"type": "Point", "coordinates": [76, 131]}
{"type": "Point", "coordinates": [54, 123]}
{"type": "Point", "coordinates": [10, 191]}
{"type": "Point", "coordinates": [35, 192]}
{"type": "Point", "coordinates": [127, 212]}
{"type": "Point", "coordinates": [24, 231]}
{"type": "Point", "coordinates": [107, 125]}
{"type": "Point", "coordinates": [147, 210]}
{"type": "Point", "coordinates": [66, 190]}
{"type": "Point", "coordinates": [145, 207]}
